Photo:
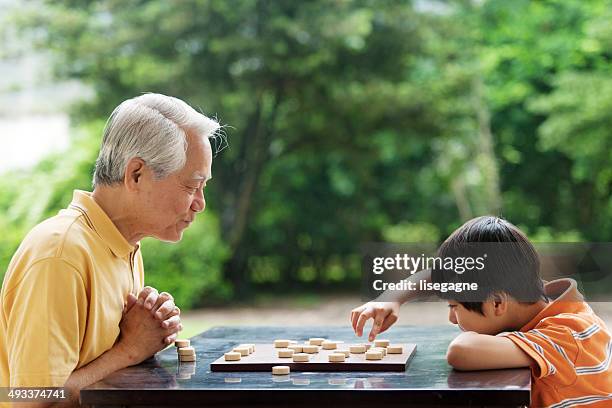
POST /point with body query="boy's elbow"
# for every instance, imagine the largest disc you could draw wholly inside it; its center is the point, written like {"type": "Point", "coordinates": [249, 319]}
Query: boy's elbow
{"type": "Point", "coordinates": [456, 356]}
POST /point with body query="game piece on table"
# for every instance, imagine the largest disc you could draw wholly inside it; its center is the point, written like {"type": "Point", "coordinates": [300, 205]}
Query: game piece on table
{"type": "Point", "coordinates": [373, 355]}
{"type": "Point", "coordinates": [185, 351]}
{"type": "Point", "coordinates": [187, 359]}
{"type": "Point", "coordinates": [244, 351]}
{"type": "Point", "coordinates": [395, 349]}
{"type": "Point", "coordinates": [345, 352]}
{"type": "Point", "coordinates": [178, 343]}
{"type": "Point", "coordinates": [381, 343]}
{"type": "Point", "coordinates": [357, 348]}
{"type": "Point", "coordinates": [329, 345]}
{"type": "Point", "coordinates": [383, 350]}
{"type": "Point", "coordinates": [316, 341]}
{"type": "Point", "coordinates": [310, 349]}
{"type": "Point", "coordinates": [336, 357]}
{"type": "Point", "coordinates": [301, 358]}
{"type": "Point", "coordinates": [232, 356]}
{"type": "Point", "coordinates": [280, 370]}
{"type": "Point", "coordinates": [281, 343]}
{"type": "Point", "coordinates": [285, 353]}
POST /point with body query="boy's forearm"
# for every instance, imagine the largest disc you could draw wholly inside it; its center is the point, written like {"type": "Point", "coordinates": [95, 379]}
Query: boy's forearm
{"type": "Point", "coordinates": [473, 351]}
{"type": "Point", "coordinates": [403, 296]}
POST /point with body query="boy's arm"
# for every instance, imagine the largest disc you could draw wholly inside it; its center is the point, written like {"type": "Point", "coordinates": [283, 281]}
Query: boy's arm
{"type": "Point", "coordinates": [473, 351]}
{"type": "Point", "coordinates": [385, 309]}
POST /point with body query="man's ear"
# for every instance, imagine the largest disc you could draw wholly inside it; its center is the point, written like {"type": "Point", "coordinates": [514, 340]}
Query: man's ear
{"type": "Point", "coordinates": [500, 303]}
{"type": "Point", "coordinates": [134, 171]}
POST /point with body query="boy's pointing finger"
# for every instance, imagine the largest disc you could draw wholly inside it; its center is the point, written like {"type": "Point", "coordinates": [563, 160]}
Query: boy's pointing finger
{"type": "Point", "coordinates": [363, 318]}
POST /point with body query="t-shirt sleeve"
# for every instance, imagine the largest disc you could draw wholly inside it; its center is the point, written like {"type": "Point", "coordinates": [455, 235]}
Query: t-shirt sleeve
{"type": "Point", "coordinates": [553, 350]}
{"type": "Point", "coordinates": [46, 325]}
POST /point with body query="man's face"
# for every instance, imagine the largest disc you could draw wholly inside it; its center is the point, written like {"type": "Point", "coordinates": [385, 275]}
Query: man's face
{"type": "Point", "coordinates": [469, 320]}
{"type": "Point", "coordinates": [171, 204]}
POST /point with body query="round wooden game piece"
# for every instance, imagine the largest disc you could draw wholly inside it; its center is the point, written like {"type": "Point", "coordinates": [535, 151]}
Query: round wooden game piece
{"type": "Point", "coordinates": [296, 348]}
{"type": "Point", "coordinates": [316, 341]}
{"type": "Point", "coordinates": [373, 355]}
{"type": "Point", "coordinates": [292, 342]}
{"type": "Point", "coordinates": [345, 352]}
{"type": "Point", "coordinates": [187, 359]}
{"type": "Point", "coordinates": [381, 343]}
{"type": "Point", "coordinates": [280, 370]}
{"type": "Point", "coordinates": [281, 343]}
{"type": "Point", "coordinates": [301, 358]}
{"type": "Point", "coordinates": [285, 353]}
{"type": "Point", "coordinates": [250, 346]}
{"type": "Point", "coordinates": [395, 349]}
{"type": "Point", "coordinates": [232, 356]}
{"type": "Point", "coordinates": [186, 351]}
{"type": "Point", "coordinates": [336, 357]}
{"type": "Point", "coordinates": [310, 349]}
{"type": "Point", "coordinates": [381, 349]}
{"type": "Point", "coordinates": [357, 349]}
{"type": "Point", "coordinates": [244, 351]}
{"type": "Point", "coordinates": [329, 345]}
{"type": "Point", "coordinates": [178, 343]}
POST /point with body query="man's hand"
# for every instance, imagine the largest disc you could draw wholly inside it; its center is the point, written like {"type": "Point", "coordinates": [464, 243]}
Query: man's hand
{"type": "Point", "coordinates": [143, 334]}
{"type": "Point", "coordinates": [161, 305]}
{"type": "Point", "coordinates": [383, 313]}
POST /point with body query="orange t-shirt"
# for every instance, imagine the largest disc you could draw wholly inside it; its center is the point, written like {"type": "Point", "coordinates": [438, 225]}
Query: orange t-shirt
{"type": "Point", "coordinates": [571, 348]}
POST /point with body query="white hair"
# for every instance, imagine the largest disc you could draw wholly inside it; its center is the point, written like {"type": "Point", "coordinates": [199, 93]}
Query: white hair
{"type": "Point", "coordinates": [154, 128]}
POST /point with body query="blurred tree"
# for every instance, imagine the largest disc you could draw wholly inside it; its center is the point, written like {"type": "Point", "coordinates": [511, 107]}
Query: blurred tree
{"type": "Point", "coordinates": [356, 121]}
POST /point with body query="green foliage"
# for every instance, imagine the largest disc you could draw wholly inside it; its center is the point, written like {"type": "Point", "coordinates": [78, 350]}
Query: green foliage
{"type": "Point", "coordinates": [351, 122]}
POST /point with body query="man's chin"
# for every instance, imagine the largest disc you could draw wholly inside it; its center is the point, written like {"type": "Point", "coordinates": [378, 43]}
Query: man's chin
{"type": "Point", "coordinates": [171, 238]}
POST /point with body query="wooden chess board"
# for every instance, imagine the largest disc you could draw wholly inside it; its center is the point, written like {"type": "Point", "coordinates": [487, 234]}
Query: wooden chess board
{"type": "Point", "coordinates": [265, 357]}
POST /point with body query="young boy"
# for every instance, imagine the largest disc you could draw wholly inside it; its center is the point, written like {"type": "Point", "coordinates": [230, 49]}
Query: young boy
{"type": "Point", "coordinates": [514, 319]}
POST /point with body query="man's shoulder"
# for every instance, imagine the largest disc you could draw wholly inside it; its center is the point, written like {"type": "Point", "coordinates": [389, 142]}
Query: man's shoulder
{"type": "Point", "coordinates": [65, 235]}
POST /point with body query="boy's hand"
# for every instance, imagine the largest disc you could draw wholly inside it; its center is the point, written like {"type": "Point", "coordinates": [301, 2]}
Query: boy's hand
{"type": "Point", "coordinates": [383, 313]}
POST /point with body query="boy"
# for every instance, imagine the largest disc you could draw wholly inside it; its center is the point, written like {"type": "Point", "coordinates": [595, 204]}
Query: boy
{"type": "Point", "coordinates": [514, 319]}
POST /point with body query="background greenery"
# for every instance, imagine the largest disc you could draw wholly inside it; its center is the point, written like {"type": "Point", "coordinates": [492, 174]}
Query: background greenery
{"type": "Point", "coordinates": [348, 122]}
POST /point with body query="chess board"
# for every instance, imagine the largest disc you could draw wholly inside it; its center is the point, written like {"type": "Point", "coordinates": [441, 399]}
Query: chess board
{"type": "Point", "coordinates": [265, 357]}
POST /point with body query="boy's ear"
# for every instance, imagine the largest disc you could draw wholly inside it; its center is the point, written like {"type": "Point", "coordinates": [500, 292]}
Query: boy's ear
{"type": "Point", "coordinates": [500, 303]}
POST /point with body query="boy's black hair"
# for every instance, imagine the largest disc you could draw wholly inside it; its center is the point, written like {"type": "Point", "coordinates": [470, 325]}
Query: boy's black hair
{"type": "Point", "coordinates": [511, 264]}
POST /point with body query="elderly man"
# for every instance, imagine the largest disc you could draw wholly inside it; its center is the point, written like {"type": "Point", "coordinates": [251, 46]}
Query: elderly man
{"type": "Point", "coordinates": [73, 307]}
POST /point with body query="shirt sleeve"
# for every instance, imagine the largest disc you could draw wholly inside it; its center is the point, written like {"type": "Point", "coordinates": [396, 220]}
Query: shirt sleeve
{"type": "Point", "coordinates": [553, 350]}
{"type": "Point", "coordinates": [45, 325]}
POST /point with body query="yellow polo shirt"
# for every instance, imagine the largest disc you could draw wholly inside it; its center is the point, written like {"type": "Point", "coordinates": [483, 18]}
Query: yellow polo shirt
{"type": "Point", "coordinates": [63, 295]}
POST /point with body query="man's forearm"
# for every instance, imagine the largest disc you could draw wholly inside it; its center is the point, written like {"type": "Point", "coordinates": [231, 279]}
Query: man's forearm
{"type": "Point", "coordinates": [403, 296]}
{"type": "Point", "coordinates": [109, 362]}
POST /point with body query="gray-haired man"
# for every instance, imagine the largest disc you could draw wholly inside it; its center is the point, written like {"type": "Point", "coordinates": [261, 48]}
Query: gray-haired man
{"type": "Point", "coordinates": [73, 304]}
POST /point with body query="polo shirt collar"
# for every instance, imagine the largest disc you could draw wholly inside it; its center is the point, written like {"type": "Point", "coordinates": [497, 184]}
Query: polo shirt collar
{"type": "Point", "coordinates": [101, 223]}
{"type": "Point", "coordinates": [567, 299]}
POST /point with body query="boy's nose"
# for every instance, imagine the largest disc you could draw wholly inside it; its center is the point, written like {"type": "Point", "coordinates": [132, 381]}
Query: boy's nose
{"type": "Point", "coordinates": [451, 317]}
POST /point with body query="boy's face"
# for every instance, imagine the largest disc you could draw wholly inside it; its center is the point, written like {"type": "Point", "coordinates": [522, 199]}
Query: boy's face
{"type": "Point", "coordinates": [469, 320]}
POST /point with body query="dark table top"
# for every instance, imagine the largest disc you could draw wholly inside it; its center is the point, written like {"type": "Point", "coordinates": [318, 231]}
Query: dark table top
{"type": "Point", "coordinates": [428, 380]}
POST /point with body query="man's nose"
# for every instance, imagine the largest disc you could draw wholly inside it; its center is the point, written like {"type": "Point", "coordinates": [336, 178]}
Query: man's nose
{"type": "Point", "coordinates": [199, 203]}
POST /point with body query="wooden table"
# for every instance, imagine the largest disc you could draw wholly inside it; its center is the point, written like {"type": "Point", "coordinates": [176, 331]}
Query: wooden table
{"type": "Point", "coordinates": [428, 381]}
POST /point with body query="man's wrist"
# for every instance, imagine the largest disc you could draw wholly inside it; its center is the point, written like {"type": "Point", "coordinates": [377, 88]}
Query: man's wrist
{"type": "Point", "coordinates": [122, 356]}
